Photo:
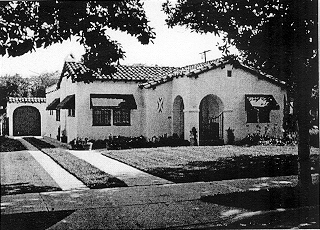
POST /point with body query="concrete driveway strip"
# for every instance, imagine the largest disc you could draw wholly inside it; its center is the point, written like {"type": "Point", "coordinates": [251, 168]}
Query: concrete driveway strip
{"type": "Point", "coordinates": [130, 175]}
{"type": "Point", "coordinates": [65, 180]}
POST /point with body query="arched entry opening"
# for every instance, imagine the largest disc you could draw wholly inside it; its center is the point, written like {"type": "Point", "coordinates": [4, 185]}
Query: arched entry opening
{"type": "Point", "coordinates": [178, 117]}
{"type": "Point", "coordinates": [26, 121]}
{"type": "Point", "coordinates": [211, 120]}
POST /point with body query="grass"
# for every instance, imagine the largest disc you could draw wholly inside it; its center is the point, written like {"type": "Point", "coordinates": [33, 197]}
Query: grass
{"type": "Point", "coordinates": [288, 212]}
{"type": "Point", "coordinates": [10, 145]}
{"type": "Point", "coordinates": [91, 176]}
{"type": "Point", "coordinates": [214, 163]}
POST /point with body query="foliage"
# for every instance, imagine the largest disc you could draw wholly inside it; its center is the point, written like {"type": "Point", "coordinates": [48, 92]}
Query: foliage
{"type": "Point", "coordinates": [17, 86]}
{"type": "Point", "coordinates": [230, 136]}
{"type": "Point", "coordinates": [80, 143]}
{"type": "Point", "coordinates": [122, 142]}
{"type": "Point", "coordinates": [270, 35]}
{"type": "Point", "coordinates": [29, 25]}
{"type": "Point", "coordinates": [38, 84]}
{"type": "Point", "coordinates": [12, 86]}
{"type": "Point", "coordinates": [88, 174]}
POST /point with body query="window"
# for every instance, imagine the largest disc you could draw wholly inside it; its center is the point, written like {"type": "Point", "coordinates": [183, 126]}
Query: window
{"type": "Point", "coordinates": [121, 117]}
{"type": "Point", "coordinates": [258, 115]}
{"type": "Point", "coordinates": [229, 73]}
{"type": "Point", "coordinates": [101, 117]}
{"type": "Point", "coordinates": [51, 112]}
{"type": "Point", "coordinates": [58, 115]}
{"type": "Point", "coordinates": [71, 112]}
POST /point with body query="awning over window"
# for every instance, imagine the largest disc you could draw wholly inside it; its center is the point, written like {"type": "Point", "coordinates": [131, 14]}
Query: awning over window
{"type": "Point", "coordinates": [53, 104]}
{"type": "Point", "coordinates": [113, 101]}
{"type": "Point", "coordinates": [259, 101]}
{"type": "Point", "coordinates": [67, 103]}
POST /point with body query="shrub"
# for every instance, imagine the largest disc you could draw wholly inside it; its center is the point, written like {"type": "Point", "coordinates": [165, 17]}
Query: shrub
{"type": "Point", "coordinates": [122, 142]}
{"type": "Point", "coordinates": [314, 137]}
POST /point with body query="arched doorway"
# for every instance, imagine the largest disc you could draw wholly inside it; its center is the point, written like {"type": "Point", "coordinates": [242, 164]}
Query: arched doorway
{"type": "Point", "coordinates": [210, 120]}
{"type": "Point", "coordinates": [26, 121]}
{"type": "Point", "coordinates": [178, 117]}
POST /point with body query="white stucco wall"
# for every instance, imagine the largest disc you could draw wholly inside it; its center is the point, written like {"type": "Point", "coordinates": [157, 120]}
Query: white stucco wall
{"type": "Point", "coordinates": [85, 127]}
{"type": "Point", "coordinates": [232, 90]}
{"type": "Point", "coordinates": [67, 123]}
{"type": "Point", "coordinates": [52, 125]}
{"type": "Point", "coordinates": [159, 120]}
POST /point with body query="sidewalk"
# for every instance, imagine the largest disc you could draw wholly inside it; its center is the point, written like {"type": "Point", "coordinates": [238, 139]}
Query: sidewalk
{"type": "Point", "coordinates": [158, 206]}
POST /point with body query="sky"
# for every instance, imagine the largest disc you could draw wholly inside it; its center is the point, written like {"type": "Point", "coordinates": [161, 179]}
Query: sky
{"type": "Point", "coordinates": [175, 47]}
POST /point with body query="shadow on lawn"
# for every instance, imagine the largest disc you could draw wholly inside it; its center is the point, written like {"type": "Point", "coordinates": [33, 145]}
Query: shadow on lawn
{"type": "Point", "coordinates": [291, 213]}
{"type": "Point", "coordinates": [35, 221]}
{"type": "Point", "coordinates": [20, 188]}
{"type": "Point", "coordinates": [238, 167]}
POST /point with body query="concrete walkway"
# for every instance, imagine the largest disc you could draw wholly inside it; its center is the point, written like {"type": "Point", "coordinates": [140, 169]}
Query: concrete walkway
{"type": "Point", "coordinates": [64, 179]}
{"type": "Point", "coordinates": [130, 175]}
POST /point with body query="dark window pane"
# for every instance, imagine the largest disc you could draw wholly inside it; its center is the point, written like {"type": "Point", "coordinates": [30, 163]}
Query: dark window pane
{"type": "Point", "coordinates": [252, 116]}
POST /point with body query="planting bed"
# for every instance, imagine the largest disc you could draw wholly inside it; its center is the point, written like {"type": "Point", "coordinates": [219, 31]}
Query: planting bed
{"type": "Point", "coordinates": [85, 172]}
{"type": "Point", "coordinates": [211, 163]}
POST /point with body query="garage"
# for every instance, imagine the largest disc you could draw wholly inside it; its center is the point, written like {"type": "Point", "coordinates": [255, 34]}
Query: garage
{"type": "Point", "coordinates": [26, 121]}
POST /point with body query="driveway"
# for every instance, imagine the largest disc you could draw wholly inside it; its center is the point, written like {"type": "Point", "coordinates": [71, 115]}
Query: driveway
{"type": "Point", "coordinates": [21, 173]}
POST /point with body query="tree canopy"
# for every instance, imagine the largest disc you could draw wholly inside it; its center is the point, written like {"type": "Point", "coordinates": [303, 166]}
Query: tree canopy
{"type": "Point", "coordinates": [17, 86]}
{"type": "Point", "coordinates": [26, 25]}
{"type": "Point", "coordinates": [277, 37]}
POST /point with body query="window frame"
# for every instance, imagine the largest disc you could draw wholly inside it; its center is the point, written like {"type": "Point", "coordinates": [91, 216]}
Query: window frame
{"type": "Point", "coordinates": [124, 117]}
{"type": "Point", "coordinates": [258, 116]}
{"type": "Point", "coordinates": [96, 121]}
{"type": "Point", "coordinates": [71, 113]}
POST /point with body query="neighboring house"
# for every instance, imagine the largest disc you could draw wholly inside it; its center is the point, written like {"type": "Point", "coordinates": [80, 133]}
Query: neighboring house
{"type": "Point", "coordinates": [155, 101]}
{"type": "Point", "coordinates": [26, 116]}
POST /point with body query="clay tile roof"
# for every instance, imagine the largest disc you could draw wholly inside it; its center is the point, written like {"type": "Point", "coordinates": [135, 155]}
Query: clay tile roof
{"type": "Point", "coordinates": [124, 73]}
{"type": "Point", "coordinates": [26, 100]}
{"type": "Point", "coordinates": [151, 76]}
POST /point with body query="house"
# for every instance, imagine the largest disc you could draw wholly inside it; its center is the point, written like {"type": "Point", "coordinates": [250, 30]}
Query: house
{"type": "Point", "coordinates": [153, 101]}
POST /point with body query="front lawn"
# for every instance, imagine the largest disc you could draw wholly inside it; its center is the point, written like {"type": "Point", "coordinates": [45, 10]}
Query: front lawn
{"type": "Point", "coordinates": [214, 163]}
{"type": "Point", "coordinates": [287, 210]}
{"type": "Point", "coordinates": [10, 145]}
{"type": "Point", "coordinates": [91, 176]}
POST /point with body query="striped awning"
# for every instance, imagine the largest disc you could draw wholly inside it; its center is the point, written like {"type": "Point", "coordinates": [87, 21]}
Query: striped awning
{"type": "Point", "coordinates": [113, 101]}
{"type": "Point", "coordinates": [257, 101]}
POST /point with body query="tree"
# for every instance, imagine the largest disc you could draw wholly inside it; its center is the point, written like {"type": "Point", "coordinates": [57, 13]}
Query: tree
{"type": "Point", "coordinates": [38, 84]}
{"type": "Point", "coordinates": [277, 37]}
{"type": "Point", "coordinates": [26, 25]}
{"type": "Point", "coordinates": [12, 86]}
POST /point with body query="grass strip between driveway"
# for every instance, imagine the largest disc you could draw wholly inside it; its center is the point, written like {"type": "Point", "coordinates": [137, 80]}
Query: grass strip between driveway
{"type": "Point", "coordinates": [91, 176]}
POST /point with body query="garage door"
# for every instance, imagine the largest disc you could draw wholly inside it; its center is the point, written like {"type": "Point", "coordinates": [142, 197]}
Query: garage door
{"type": "Point", "coordinates": [26, 121]}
